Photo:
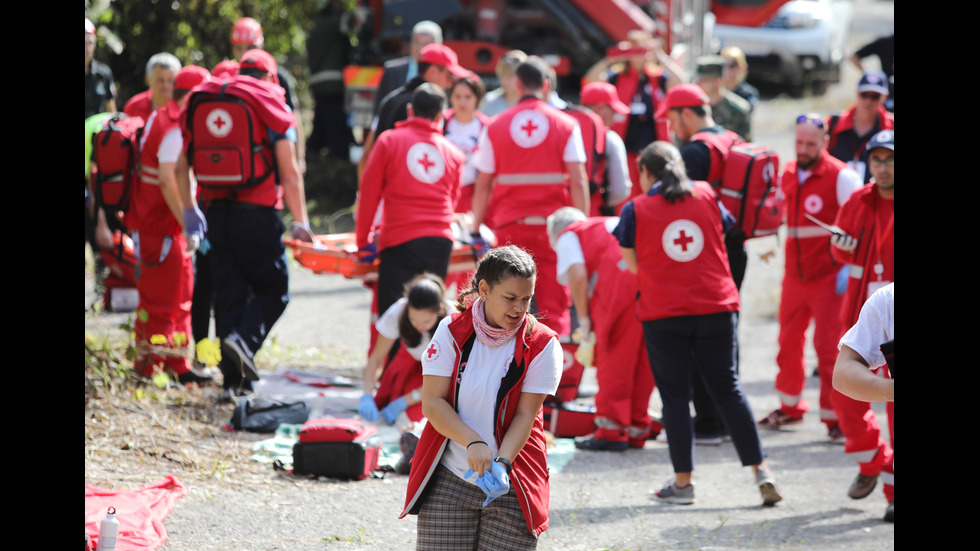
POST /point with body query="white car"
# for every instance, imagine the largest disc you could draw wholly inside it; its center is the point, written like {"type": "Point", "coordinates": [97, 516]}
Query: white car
{"type": "Point", "coordinates": [803, 44]}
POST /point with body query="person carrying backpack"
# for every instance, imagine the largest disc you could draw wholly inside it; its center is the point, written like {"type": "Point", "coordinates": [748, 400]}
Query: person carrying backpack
{"type": "Point", "coordinates": [165, 272]}
{"type": "Point", "coordinates": [239, 138]}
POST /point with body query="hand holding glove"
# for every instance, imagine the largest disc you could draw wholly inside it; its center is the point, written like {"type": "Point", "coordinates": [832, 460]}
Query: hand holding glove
{"type": "Point", "coordinates": [844, 242]}
{"type": "Point", "coordinates": [368, 409]}
{"type": "Point", "coordinates": [301, 232]}
{"type": "Point", "coordinates": [194, 222]}
{"type": "Point", "coordinates": [391, 411]}
{"type": "Point", "coordinates": [494, 483]}
{"type": "Point", "coordinates": [479, 244]}
{"type": "Point", "coordinates": [367, 255]}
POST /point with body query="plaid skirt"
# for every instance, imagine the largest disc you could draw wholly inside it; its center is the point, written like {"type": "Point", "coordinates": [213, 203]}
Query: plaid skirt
{"type": "Point", "coordinates": [452, 517]}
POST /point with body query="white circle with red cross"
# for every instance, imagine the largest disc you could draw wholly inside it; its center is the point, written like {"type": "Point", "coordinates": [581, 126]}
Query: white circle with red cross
{"type": "Point", "coordinates": [425, 163]}
{"type": "Point", "coordinates": [813, 203]}
{"type": "Point", "coordinates": [432, 352]}
{"type": "Point", "coordinates": [218, 123]}
{"type": "Point", "coordinates": [529, 128]}
{"type": "Point", "coordinates": [683, 240]}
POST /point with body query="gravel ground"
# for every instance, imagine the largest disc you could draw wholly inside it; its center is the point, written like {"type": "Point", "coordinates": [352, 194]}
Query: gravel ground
{"type": "Point", "coordinates": [599, 500]}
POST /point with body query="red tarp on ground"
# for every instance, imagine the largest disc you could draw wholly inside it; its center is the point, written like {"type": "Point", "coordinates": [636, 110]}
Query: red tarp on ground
{"type": "Point", "coordinates": [140, 513]}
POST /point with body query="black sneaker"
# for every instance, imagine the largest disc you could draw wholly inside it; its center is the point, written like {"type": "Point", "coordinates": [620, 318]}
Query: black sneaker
{"type": "Point", "coordinates": [233, 348]}
{"type": "Point", "coordinates": [890, 511]}
{"type": "Point", "coordinates": [194, 376]}
{"type": "Point", "coordinates": [600, 444]}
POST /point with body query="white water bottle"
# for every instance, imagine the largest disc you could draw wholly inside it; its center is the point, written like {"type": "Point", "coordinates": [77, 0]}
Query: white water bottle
{"type": "Point", "coordinates": [108, 531]}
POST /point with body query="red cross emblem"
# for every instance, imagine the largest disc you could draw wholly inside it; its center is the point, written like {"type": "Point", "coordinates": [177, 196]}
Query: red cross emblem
{"type": "Point", "coordinates": [426, 163]}
{"type": "Point", "coordinates": [683, 240]}
{"type": "Point", "coordinates": [529, 128]}
{"type": "Point", "coordinates": [432, 352]}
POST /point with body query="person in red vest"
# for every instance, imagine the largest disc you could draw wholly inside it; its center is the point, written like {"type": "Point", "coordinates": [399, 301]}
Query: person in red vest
{"type": "Point", "coordinates": [867, 245]}
{"type": "Point", "coordinates": [530, 163]}
{"type": "Point", "coordinates": [671, 236]}
{"type": "Point", "coordinates": [613, 173]}
{"type": "Point", "coordinates": [165, 279]}
{"type": "Point", "coordinates": [243, 226]}
{"type": "Point", "coordinates": [479, 476]}
{"type": "Point", "coordinates": [815, 184]}
{"type": "Point", "coordinates": [851, 129]}
{"type": "Point", "coordinates": [604, 294]}
{"type": "Point", "coordinates": [161, 70]}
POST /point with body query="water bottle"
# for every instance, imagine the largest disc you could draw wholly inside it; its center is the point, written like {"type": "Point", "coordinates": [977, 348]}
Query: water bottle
{"type": "Point", "coordinates": [108, 531]}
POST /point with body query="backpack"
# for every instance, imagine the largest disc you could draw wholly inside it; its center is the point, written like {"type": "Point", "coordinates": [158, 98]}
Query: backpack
{"type": "Point", "coordinates": [594, 139]}
{"type": "Point", "coordinates": [115, 156]}
{"type": "Point", "coordinates": [229, 150]}
{"type": "Point", "coordinates": [749, 188]}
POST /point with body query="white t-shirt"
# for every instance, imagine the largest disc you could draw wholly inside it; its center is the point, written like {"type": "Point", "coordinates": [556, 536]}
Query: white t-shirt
{"type": "Point", "coordinates": [387, 325]}
{"type": "Point", "coordinates": [568, 250]}
{"type": "Point", "coordinates": [480, 382]}
{"type": "Point", "coordinates": [875, 325]}
{"type": "Point", "coordinates": [465, 136]}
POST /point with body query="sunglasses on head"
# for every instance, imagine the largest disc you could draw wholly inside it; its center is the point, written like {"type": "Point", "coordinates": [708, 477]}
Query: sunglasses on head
{"type": "Point", "coordinates": [812, 120]}
{"type": "Point", "coordinates": [871, 95]}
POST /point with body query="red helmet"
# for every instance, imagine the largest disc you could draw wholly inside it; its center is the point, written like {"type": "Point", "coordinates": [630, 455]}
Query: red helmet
{"type": "Point", "coordinates": [247, 31]}
{"type": "Point", "coordinates": [89, 27]}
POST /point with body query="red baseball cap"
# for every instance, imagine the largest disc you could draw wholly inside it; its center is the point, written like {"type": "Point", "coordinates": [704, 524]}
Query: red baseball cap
{"type": "Point", "coordinates": [89, 27]}
{"type": "Point", "coordinates": [259, 59]}
{"type": "Point", "coordinates": [682, 95]}
{"type": "Point", "coordinates": [443, 56]}
{"type": "Point", "coordinates": [228, 67]}
{"type": "Point", "coordinates": [247, 31]}
{"type": "Point", "coordinates": [190, 76]}
{"type": "Point", "coordinates": [603, 93]}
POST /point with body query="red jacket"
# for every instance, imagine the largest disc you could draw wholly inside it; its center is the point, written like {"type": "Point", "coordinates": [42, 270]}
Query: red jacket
{"type": "Point", "coordinates": [682, 263]}
{"type": "Point", "coordinates": [140, 105]}
{"type": "Point", "coordinates": [531, 177]}
{"type": "Point", "coordinates": [530, 468]}
{"type": "Point", "coordinates": [870, 219]}
{"type": "Point", "coordinates": [808, 254]}
{"type": "Point", "coordinates": [612, 286]}
{"type": "Point", "coordinates": [417, 172]}
{"type": "Point", "coordinates": [149, 212]}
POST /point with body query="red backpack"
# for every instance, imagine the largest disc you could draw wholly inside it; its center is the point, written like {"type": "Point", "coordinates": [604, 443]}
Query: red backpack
{"type": "Point", "coordinates": [229, 148]}
{"type": "Point", "coordinates": [749, 188]}
{"type": "Point", "coordinates": [115, 156]}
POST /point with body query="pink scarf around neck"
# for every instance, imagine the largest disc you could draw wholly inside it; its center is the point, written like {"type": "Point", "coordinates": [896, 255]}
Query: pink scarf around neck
{"type": "Point", "coordinates": [490, 336]}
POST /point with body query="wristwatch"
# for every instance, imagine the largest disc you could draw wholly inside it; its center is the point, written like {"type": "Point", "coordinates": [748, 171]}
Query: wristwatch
{"type": "Point", "coordinates": [503, 461]}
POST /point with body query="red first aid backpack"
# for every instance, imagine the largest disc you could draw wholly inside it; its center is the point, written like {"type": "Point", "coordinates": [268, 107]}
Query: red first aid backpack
{"type": "Point", "coordinates": [115, 156]}
{"type": "Point", "coordinates": [749, 188]}
{"type": "Point", "coordinates": [229, 148]}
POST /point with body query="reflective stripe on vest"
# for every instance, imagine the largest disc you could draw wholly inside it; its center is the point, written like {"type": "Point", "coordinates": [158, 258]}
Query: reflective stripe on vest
{"type": "Point", "coordinates": [855, 271]}
{"type": "Point", "coordinates": [326, 75]}
{"type": "Point", "coordinates": [803, 232]}
{"type": "Point", "coordinates": [531, 178]}
{"type": "Point", "coordinates": [150, 175]}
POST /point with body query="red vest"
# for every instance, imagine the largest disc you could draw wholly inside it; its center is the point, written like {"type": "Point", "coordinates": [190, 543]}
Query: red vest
{"type": "Point", "coordinates": [530, 468]}
{"type": "Point", "coordinates": [720, 145]}
{"type": "Point", "coordinates": [612, 286]}
{"type": "Point", "coordinates": [528, 143]}
{"type": "Point", "coordinates": [416, 171]}
{"type": "Point", "coordinates": [845, 121]}
{"type": "Point", "coordinates": [682, 262]}
{"type": "Point", "coordinates": [807, 244]}
{"type": "Point", "coordinates": [149, 212]}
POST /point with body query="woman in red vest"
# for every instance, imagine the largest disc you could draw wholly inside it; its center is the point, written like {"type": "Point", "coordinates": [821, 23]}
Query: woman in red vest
{"type": "Point", "coordinates": [479, 476]}
{"type": "Point", "coordinates": [671, 236]}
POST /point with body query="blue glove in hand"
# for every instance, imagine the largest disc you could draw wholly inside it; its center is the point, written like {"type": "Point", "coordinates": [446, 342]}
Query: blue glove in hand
{"type": "Point", "coordinates": [479, 244]}
{"type": "Point", "coordinates": [841, 286]}
{"type": "Point", "coordinates": [367, 255]}
{"type": "Point", "coordinates": [494, 482]}
{"type": "Point", "coordinates": [368, 409]}
{"type": "Point", "coordinates": [205, 246]}
{"type": "Point", "coordinates": [194, 222]}
{"type": "Point", "coordinates": [391, 411]}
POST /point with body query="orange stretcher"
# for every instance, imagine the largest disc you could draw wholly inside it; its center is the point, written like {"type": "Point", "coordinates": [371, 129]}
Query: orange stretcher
{"type": "Point", "coordinates": [335, 253]}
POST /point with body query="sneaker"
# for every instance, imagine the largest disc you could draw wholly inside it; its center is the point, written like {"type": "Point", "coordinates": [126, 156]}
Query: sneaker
{"type": "Point", "coordinates": [672, 494]}
{"type": "Point", "coordinates": [194, 376]}
{"type": "Point", "coordinates": [862, 486]}
{"type": "Point", "coordinates": [233, 347]}
{"type": "Point", "coordinates": [890, 511]}
{"type": "Point", "coordinates": [836, 435]}
{"type": "Point", "coordinates": [767, 487]}
{"type": "Point", "coordinates": [777, 419]}
{"type": "Point", "coordinates": [707, 440]}
{"type": "Point", "coordinates": [600, 444]}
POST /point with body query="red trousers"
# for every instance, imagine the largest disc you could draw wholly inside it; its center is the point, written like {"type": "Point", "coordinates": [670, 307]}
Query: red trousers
{"type": "Point", "coordinates": [624, 378]}
{"type": "Point", "coordinates": [551, 297]}
{"type": "Point", "coordinates": [166, 288]}
{"type": "Point", "coordinates": [801, 302]}
{"type": "Point", "coordinates": [863, 442]}
{"type": "Point", "coordinates": [402, 375]}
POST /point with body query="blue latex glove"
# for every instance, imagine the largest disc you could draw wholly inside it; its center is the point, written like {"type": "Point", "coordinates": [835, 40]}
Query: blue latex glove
{"type": "Point", "coordinates": [204, 247]}
{"type": "Point", "coordinates": [194, 222]}
{"type": "Point", "coordinates": [391, 411]}
{"type": "Point", "coordinates": [479, 244]}
{"type": "Point", "coordinates": [842, 280]}
{"type": "Point", "coordinates": [367, 255]}
{"type": "Point", "coordinates": [368, 409]}
{"type": "Point", "coordinates": [494, 482]}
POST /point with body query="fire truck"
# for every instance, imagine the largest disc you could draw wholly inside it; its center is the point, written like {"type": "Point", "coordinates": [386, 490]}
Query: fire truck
{"type": "Point", "coordinates": [571, 35]}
